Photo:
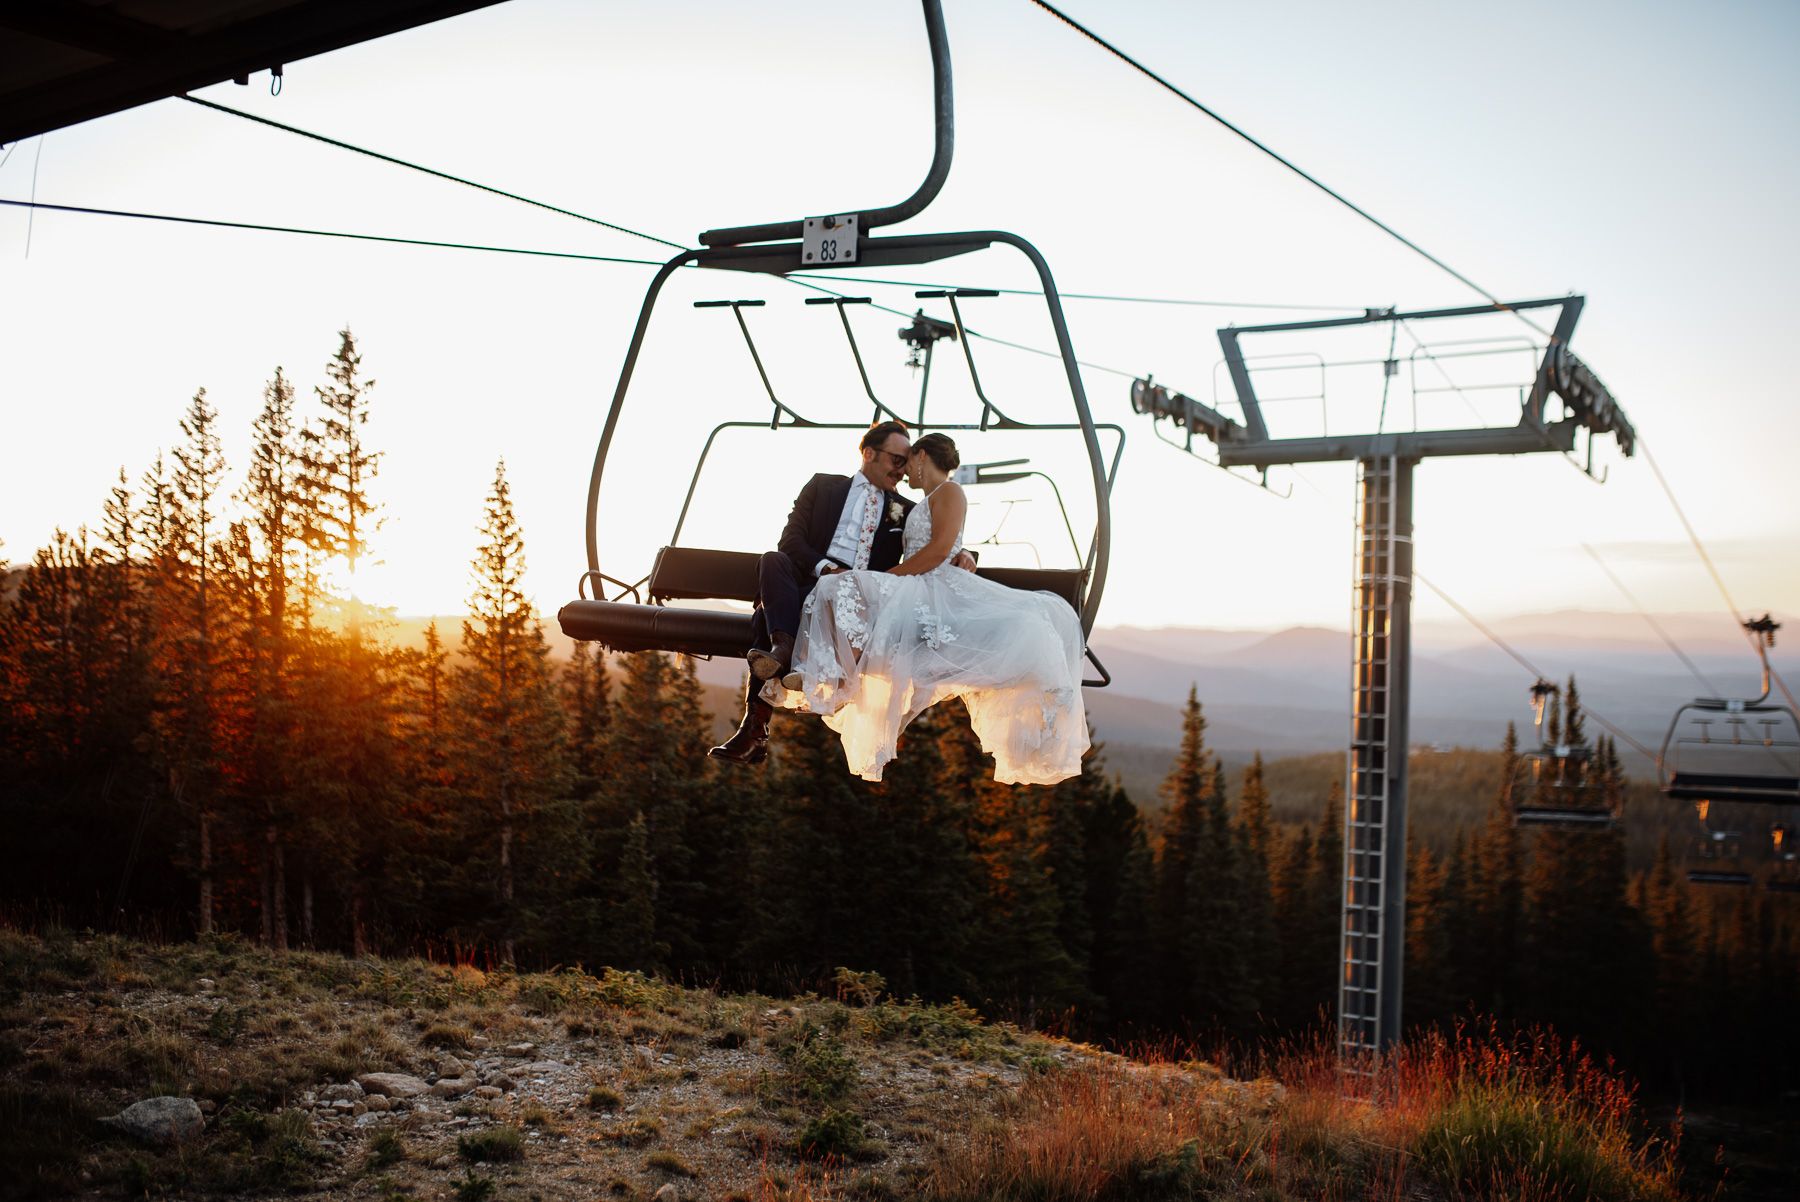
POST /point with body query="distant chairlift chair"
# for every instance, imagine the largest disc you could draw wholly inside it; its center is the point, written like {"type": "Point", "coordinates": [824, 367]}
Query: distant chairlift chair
{"type": "Point", "coordinates": [1558, 779]}
{"type": "Point", "coordinates": [1754, 758]}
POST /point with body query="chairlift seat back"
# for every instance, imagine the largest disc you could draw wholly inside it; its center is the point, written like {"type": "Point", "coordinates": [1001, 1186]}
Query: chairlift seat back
{"type": "Point", "coordinates": [695, 573]}
{"type": "Point", "coordinates": [1718, 786]}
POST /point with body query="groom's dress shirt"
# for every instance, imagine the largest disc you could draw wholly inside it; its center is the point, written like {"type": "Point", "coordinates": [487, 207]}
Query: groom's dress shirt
{"type": "Point", "coordinates": [849, 544]}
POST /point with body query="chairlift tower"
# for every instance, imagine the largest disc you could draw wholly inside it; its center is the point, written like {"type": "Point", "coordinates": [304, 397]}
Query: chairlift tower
{"type": "Point", "coordinates": [1372, 935]}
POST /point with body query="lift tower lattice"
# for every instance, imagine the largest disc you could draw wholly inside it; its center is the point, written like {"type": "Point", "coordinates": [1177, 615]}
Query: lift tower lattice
{"type": "Point", "coordinates": [1372, 934]}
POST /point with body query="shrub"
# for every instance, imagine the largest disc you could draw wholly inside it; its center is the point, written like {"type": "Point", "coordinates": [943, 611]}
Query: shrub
{"type": "Point", "coordinates": [602, 1098]}
{"type": "Point", "coordinates": [224, 1025]}
{"type": "Point", "coordinates": [446, 1035]}
{"type": "Point", "coordinates": [472, 1188]}
{"type": "Point", "coordinates": [635, 1133]}
{"type": "Point", "coordinates": [834, 1133]}
{"type": "Point", "coordinates": [819, 1070]}
{"type": "Point", "coordinates": [386, 1147]}
{"type": "Point", "coordinates": [495, 1143]}
{"type": "Point", "coordinates": [668, 1162]}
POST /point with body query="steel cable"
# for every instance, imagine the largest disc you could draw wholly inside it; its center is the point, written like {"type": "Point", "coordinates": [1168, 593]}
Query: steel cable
{"type": "Point", "coordinates": [1383, 226]}
{"type": "Point", "coordinates": [457, 179]}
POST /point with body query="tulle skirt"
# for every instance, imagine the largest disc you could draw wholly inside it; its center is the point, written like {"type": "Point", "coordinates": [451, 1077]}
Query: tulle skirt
{"type": "Point", "coordinates": [876, 650]}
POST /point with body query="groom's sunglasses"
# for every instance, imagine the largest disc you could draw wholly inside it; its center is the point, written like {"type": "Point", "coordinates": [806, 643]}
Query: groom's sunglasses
{"type": "Point", "coordinates": [891, 457]}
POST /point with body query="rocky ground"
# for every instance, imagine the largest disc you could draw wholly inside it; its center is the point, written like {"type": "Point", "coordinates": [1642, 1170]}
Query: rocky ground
{"type": "Point", "coordinates": [364, 1079]}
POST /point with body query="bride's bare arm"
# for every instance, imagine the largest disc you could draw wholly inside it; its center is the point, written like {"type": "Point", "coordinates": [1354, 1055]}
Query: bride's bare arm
{"type": "Point", "coordinates": [949, 506]}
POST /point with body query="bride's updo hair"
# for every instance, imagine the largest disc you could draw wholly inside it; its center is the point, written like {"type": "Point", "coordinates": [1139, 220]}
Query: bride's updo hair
{"type": "Point", "coordinates": [940, 450]}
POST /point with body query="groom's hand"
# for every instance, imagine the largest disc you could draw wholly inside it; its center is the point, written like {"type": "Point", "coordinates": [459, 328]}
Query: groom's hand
{"type": "Point", "coordinates": [965, 561]}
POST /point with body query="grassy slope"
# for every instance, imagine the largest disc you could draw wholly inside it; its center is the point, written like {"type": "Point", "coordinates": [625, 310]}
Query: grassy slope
{"type": "Point", "coordinates": [632, 1084]}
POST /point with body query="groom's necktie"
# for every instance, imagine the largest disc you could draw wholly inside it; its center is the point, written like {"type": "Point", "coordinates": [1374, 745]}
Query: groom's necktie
{"type": "Point", "coordinates": [865, 542]}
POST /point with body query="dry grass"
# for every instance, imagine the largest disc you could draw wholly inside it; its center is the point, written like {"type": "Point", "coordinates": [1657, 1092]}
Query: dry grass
{"type": "Point", "coordinates": [1472, 1117]}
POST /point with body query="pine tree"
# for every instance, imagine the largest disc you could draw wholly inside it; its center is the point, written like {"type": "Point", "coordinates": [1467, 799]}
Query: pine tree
{"type": "Point", "coordinates": [188, 515]}
{"type": "Point", "coordinates": [340, 466]}
{"type": "Point", "coordinates": [1498, 894]}
{"type": "Point", "coordinates": [1319, 988]}
{"type": "Point", "coordinates": [587, 697]}
{"type": "Point", "coordinates": [508, 750]}
{"type": "Point", "coordinates": [1254, 852]}
{"type": "Point", "coordinates": [1120, 872]}
{"type": "Point", "coordinates": [1428, 999]}
{"type": "Point", "coordinates": [276, 497]}
{"type": "Point", "coordinates": [1187, 793]}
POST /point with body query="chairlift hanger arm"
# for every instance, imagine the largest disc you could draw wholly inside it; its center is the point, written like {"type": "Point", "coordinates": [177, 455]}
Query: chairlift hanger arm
{"type": "Point", "coordinates": [912, 206]}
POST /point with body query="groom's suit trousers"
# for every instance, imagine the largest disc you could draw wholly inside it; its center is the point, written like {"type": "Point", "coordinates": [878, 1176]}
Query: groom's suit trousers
{"type": "Point", "coordinates": [784, 588]}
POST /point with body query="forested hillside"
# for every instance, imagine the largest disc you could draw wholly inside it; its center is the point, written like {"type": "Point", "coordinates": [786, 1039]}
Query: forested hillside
{"type": "Point", "coordinates": [201, 732]}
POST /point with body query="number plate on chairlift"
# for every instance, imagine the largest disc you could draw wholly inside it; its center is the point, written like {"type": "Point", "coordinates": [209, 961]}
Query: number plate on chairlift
{"type": "Point", "coordinates": [828, 240]}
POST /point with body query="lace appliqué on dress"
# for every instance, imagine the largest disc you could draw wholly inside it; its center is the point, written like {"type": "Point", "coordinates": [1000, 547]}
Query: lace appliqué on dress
{"type": "Point", "coordinates": [847, 608]}
{"type": "Point", "coordinates": [933, 629]}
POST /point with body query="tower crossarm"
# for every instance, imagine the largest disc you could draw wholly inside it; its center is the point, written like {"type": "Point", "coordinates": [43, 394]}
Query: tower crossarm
{"type": "Point", "coordinates": [1559, 374]}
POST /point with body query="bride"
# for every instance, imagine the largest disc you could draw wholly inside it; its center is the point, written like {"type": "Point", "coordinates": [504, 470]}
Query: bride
{"type": "Point", "coordinates": [876, 649]}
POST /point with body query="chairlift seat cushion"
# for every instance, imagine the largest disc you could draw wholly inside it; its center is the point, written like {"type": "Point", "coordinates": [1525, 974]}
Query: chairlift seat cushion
{"type": "Point", "coordinates": [624, 627]}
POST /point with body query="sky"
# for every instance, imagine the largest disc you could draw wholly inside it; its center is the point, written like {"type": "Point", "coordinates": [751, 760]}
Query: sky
{"type": "Point", "coordinates": [1641, 155]}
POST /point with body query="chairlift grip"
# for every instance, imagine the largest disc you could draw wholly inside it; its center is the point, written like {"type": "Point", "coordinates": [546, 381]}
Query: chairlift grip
{"type": "Point", "coordinates": [945, 129]}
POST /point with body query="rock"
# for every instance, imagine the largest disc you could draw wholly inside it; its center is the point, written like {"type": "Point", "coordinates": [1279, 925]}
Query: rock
{"type": "Point", "coordinates": [371, 1119]}
{"type": "Point", "coordinates": [160, 1121]}
{"type": "Point", "coordinates": [450, 1066]}
{"type": "Point", "coordinates": [489, 1092]}
{"type": "Point", "coordinates": [346, 1093]}
{"type": "Point", "coordinates": [442, 1162]}
{"type": "Point", "coordinates": [207, 1106]}
{"type": "Point", "coordinates": [377, 1102]}
{"type": "Point", "coordinates": [503, 1083]}
{"type": "Point", "coordinates": [343, 1105]}
{"type": "Point", "coordinates": [453, 1087]}
{"type": "Point", "coordinates": [479, 1041]}
{"type": "Point", "coordinates": [393, 1085]}
{"type": "Point", "coordinates": [543, 1066]}
{"type": "Point", "coordinates": [359, 1108]}
{"type": "Point", "coordinates": [667, 1193]}
{"type": "Point", "coordinates": [206, 985]}
{"type": "Point", "coordinates": [520, 1050]}
{"type": "Point", "coordinates": [645, 1057]}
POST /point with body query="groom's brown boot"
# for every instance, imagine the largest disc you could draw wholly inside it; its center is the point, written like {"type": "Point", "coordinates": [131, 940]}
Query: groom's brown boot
{"type": "Point", "coordinates": [772, 664]}
{"type": "Point", "coordinates": [750, 745]}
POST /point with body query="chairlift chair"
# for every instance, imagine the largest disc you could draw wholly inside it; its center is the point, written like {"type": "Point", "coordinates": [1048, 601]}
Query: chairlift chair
{"type": "Point", "coordinates": [1716, 857]}
{"type": "Point", "coordinates": [1564, 791]}
{"type": "Point", "coordinates": [1754, 756]}
{"type": "Point", "coordinates": [647, 621]}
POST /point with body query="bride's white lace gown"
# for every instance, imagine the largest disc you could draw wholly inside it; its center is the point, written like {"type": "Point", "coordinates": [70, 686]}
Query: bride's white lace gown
{"type": "Point", "coordinates": [876, 650]}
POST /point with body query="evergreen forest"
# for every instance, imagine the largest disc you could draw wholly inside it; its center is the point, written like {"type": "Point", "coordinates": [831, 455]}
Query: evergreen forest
{"type": "Point", "coordinates": [202, 733]}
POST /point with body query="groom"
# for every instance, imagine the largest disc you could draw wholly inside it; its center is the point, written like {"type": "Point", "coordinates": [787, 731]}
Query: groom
{"type": "Point", "coordinates": [838, 523]}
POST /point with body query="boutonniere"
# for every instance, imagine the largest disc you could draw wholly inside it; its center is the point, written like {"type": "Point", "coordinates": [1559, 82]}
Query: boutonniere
{"type": "Point", "coordinates": [896, 511]}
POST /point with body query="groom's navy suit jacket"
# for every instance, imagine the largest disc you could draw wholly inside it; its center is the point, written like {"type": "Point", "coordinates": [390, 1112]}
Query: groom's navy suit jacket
{"type": "Point", "coordinates": [818, 510]}
{"type": "Point", "coordinates": [785, 577]}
